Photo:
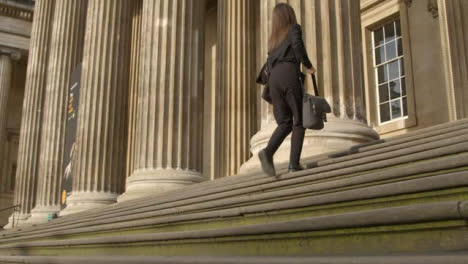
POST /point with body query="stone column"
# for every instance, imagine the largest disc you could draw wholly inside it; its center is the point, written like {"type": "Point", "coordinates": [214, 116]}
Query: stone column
{"type": "Point", "coordinates": [66, 52]}
{"type": "Point", "coordinates": [331, 31]}
{"type": "Point", "coordinates": [134, 80]}
{"type": "Point", "coordinates": [453, 28]}
{"type": "Point", "coordinates": [99, 166]}
{"type": "Point", "coordinates": [30, 134]}
{"type": "Point", "coordinates": [236, 109]}
{"type": "Point", "coordinates": [5, 86]}
{"type": "Point", "coordinates": [168, 149]}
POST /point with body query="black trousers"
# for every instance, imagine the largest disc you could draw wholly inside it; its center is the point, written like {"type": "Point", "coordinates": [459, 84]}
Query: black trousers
{"type": "Point", "coordinates": [286, 93]}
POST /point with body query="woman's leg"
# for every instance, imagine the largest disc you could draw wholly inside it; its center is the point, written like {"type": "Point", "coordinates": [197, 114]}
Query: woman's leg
{"type": "Point", "coordinates": [294, 98]}
{"type": "Point", "coordinates": [297, 140]}
{"type": "Point", "coordinates": [284, 119]}
{"type": "Point", "coordinates": [278, 136]}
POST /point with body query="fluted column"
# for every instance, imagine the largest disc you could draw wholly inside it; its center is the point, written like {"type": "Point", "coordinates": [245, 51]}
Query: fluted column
{"type": "Point", "coordinates": [5, 87]}
{"type": "Point", "coordinates": [331, 30]}
{"type": "Point", "coordinates": [99, 165]}
{"type": "Point", "coordinates": [30, 134]}
{"type": "Point", "coordinates": [66, 52]}
{"type": "Point", "coordinates": [236, 111]}
{"type": "Point", "coordinates": [134, 80]}
{"type": "Point", "coordinates": [453, 28]}
{"type": "Point", "coordinates": [168, 148]}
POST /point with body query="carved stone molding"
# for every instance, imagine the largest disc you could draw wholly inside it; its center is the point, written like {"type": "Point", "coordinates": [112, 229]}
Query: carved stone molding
{"type": "Point", "coordinates": [13, 53]}
{"type": "Point", "coordinates": [16, 12]}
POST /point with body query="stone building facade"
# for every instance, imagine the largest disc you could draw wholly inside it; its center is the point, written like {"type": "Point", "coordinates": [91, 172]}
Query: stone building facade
{"type": "Point", "coordinates": [431, 47]}
{"type": "Point", "coordinates": [168, 95]}
{"type": "Point", "coordinates": [15, 31]}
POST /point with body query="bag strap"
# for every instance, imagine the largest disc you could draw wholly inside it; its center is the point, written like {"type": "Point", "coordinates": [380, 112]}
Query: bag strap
{"type": "Point", "coordinates": [315, 85]}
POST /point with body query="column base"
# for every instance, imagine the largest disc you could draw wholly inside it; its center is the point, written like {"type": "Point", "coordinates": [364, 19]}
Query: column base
{"type": "Point", "coordinates": [83, 201]}
{"type": "Point", "coordinates": [40, 214]}
{"type": "Point", "coordinates": [17, 220]}
{"type": "Point", "coordinates": [147, 182]}
{"type": "Point", "coordinates": [338, 134]}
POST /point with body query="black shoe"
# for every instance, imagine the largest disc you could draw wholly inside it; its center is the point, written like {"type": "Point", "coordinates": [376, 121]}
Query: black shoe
{"type": "Point", "coordinates": [294, 168]}
{"type": "Point", "coordinates": [267, 163]}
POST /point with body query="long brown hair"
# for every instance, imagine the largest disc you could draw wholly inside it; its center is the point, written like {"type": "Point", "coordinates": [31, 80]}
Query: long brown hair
{"type": "Point", "coordinates": [283, 17]}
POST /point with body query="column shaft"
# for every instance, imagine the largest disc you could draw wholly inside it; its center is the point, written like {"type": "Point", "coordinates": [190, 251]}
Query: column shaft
{"type": "Point", "coordinates": [453, 28]}
{"type": "Point", "coordinates": [30, 134]}
{"type": "Point", "coordinates": [339, 57]}
{"type": "Point", "coordinates": [5, 87]}
{"type": "Point", "coordinates": [99, 166]}
{"type": "Point", "coordinates": [169, 99]}
{"type": "Point", "coordinates": [66, 52]}
{"type": "Point", "coordinates": [236, 71]}
{"type": "Point", "coordinates": [134, 81]}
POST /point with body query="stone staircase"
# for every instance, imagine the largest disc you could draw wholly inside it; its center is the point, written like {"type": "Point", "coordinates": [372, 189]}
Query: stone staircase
{"type": "Point", "coordinates": [399, 200]}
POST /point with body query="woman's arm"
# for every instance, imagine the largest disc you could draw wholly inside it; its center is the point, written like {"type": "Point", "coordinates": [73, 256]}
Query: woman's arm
{"type": "Point", "coordinates": [298, 46]}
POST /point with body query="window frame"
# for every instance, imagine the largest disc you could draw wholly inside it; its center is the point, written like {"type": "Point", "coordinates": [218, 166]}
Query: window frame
{"type": "Point", "coordinates": [374, 18]}
{"type": "Point", "coordinates": [401, 77]}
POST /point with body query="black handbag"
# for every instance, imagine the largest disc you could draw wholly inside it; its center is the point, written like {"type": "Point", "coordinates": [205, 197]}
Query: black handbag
{"type": "Point", "coordinates": [314, 109]}
{"type": "Point", "coordinates": [262, 78]}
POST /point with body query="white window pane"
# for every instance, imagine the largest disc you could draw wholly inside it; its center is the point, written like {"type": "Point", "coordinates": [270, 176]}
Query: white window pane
{"type": "Point", "coordinates": [390, 50]}
{"type": "Point", "coordinates": [378, 37]}
{"type": "Point", "coordinates": [393, 70]}
{"type": "Point", "coordinates": [384, 112]}
{"type": "Point", "coordinates": [396, 109]}
{"type": "Point", "coordinates": [400, 47]}
{"type": "Point", "coordinates": [383, 93]}
{"type": "Point", "coordinates": [382, 74]}
{"type": "Point", "coordinates": [389, 32]}
{"type": "Point", "coordinates": [379, 55]}
{"type": "Point", "coordinates": [395, 91]}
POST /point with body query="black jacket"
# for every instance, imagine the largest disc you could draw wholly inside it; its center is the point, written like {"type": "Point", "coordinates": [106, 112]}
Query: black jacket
{"type": "Point", "coordinates": [290, 50]}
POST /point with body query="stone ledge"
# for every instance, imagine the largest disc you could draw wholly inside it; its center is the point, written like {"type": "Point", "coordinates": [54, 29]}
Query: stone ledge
{"type": "Point", "coordinates": [14, 41]}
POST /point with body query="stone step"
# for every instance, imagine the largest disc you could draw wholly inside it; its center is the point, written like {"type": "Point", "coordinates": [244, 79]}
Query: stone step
{"type": "Point", "coordinates": [265, 198]}
{"type": "Point", "coordinates": [410, 154]}
{"type": "Point", "coordinates": [441, 226]}
{"type": "Point", "coordinates": [438, 130]}
{"type": "Point", "coordinates": [243, 185]}
{"type": "Point", "coordinates": [344, 164]}
{"type": "Point", "coordinates": [421, 171]}
{"type": "Point", "coordinates": [442, 258]}
{"type": "Point", "coordinates": [394, 147]}
{"type": "Point", "coordinates": [431, 129]}
{"type": "Point", "coordinates": [395, 143]}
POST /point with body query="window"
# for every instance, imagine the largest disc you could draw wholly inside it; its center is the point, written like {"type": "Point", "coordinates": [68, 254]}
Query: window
{"type": "Point", "coordinates": [390, 72]}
